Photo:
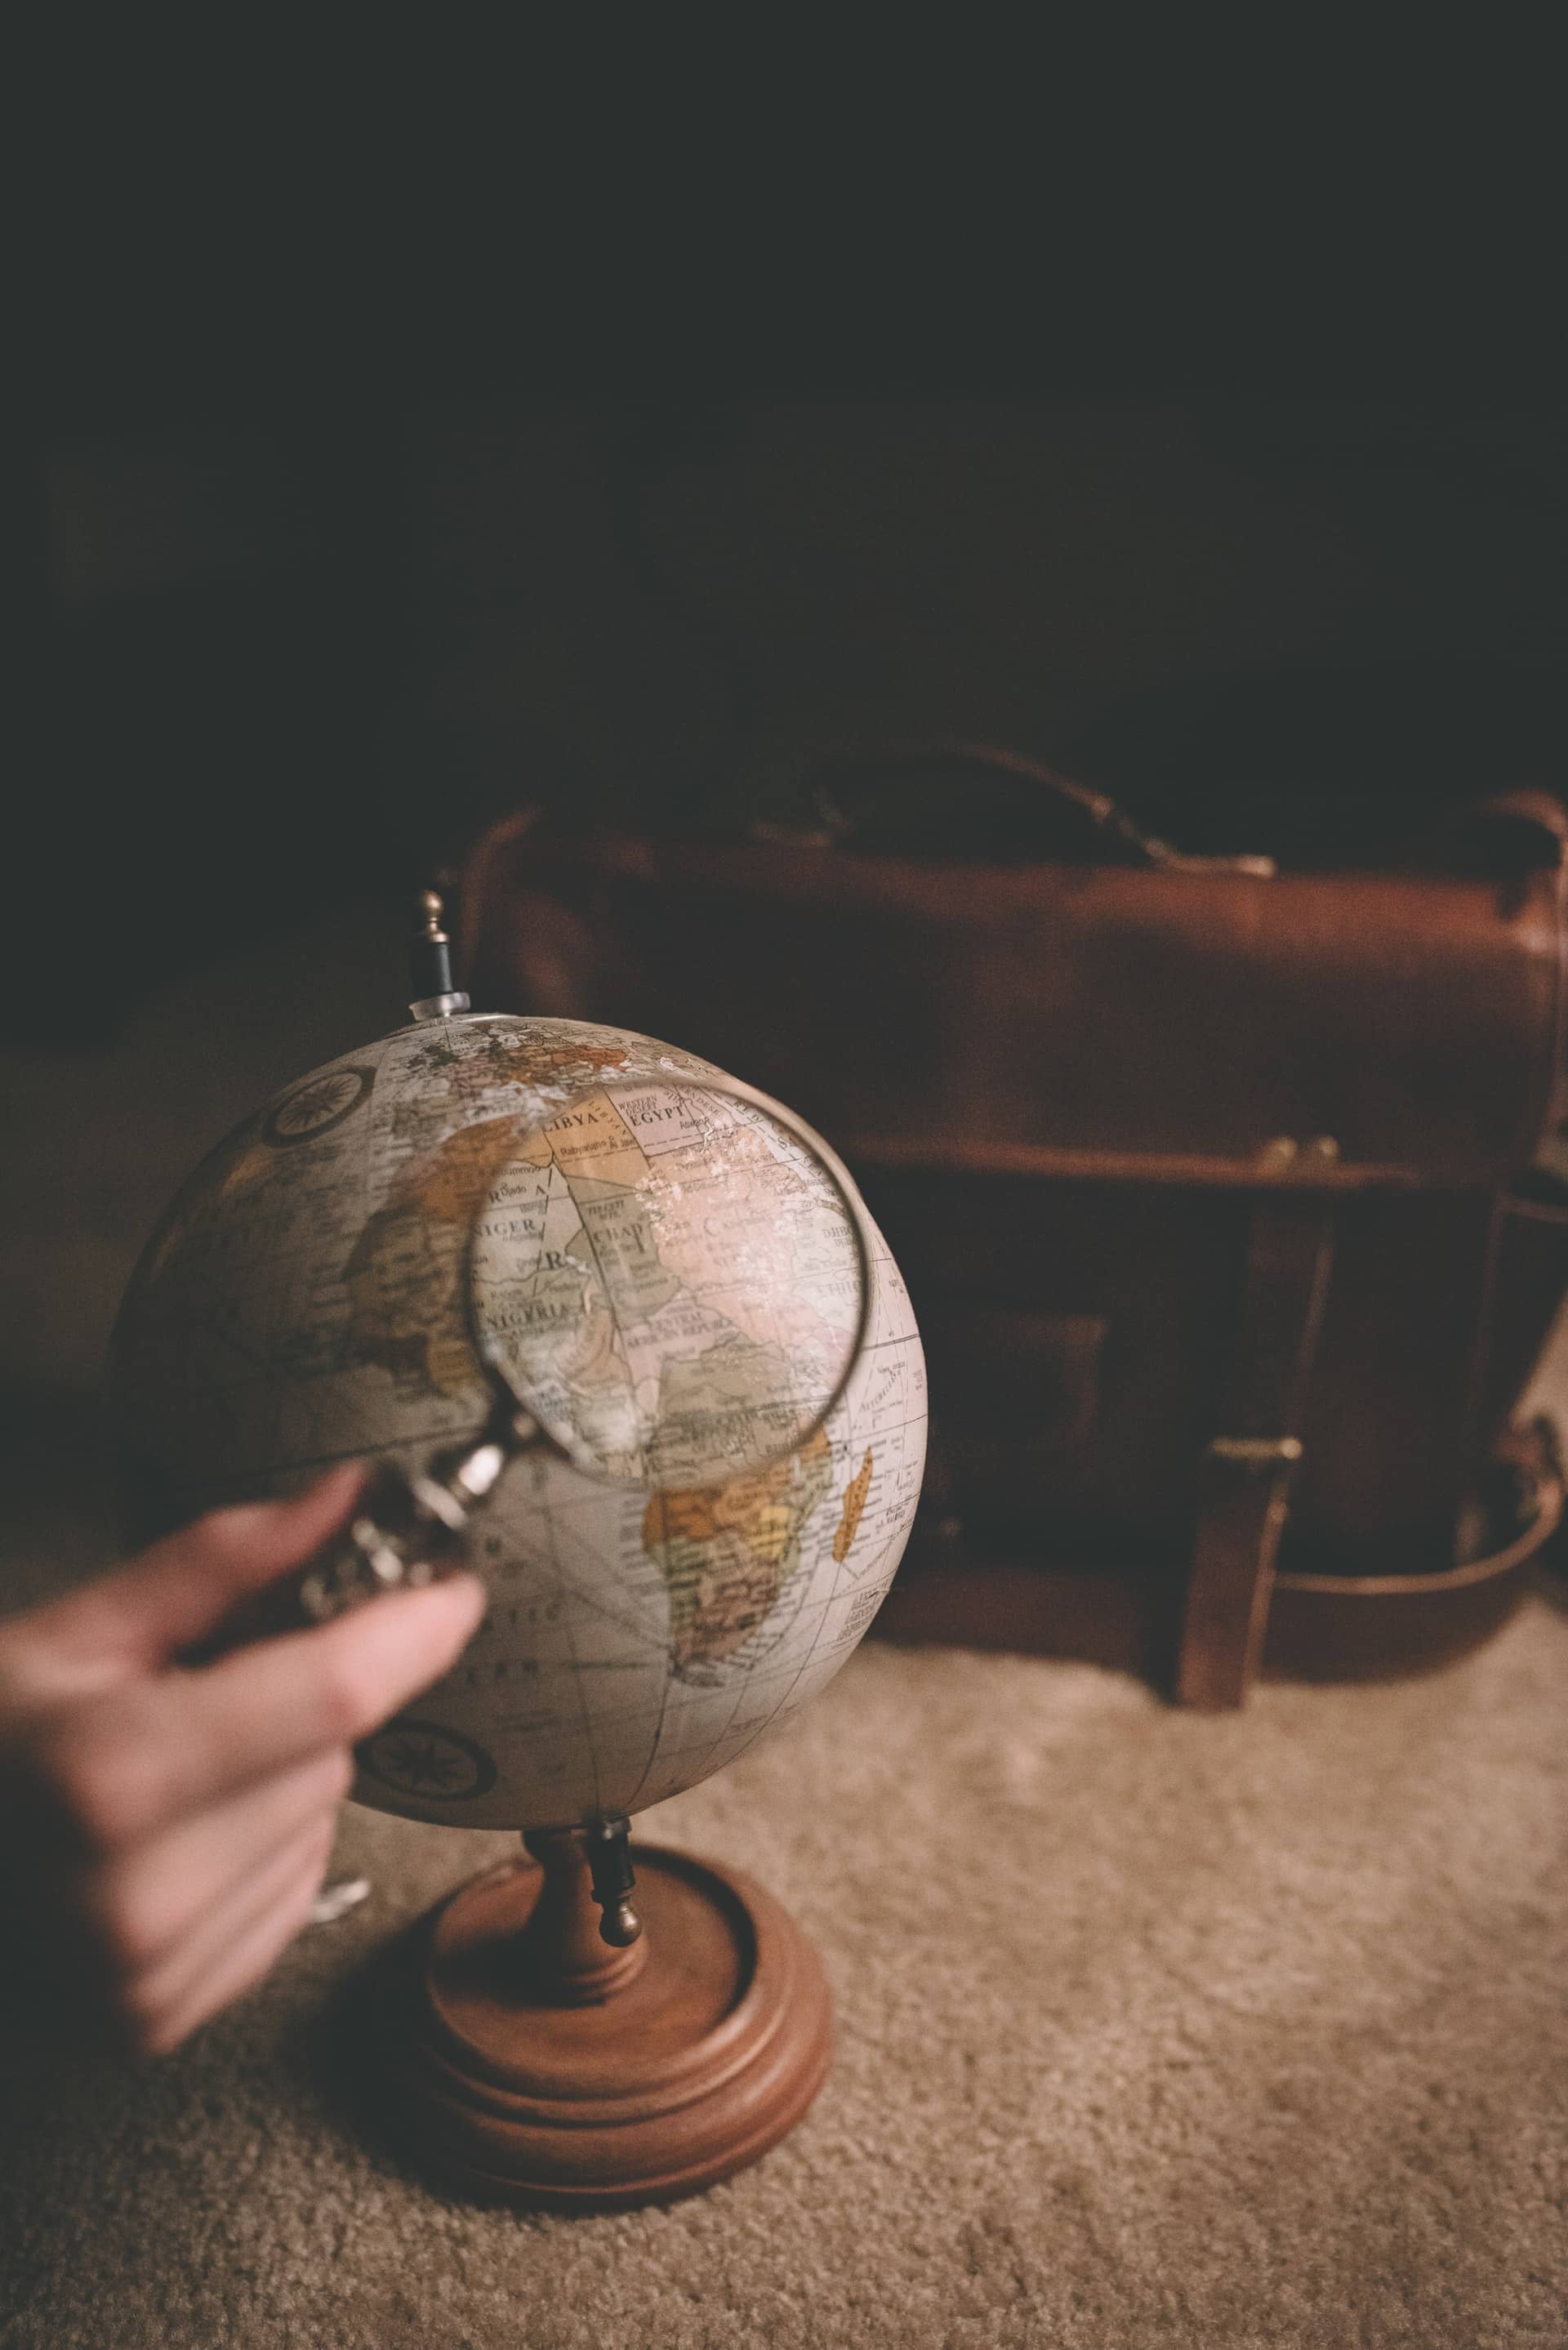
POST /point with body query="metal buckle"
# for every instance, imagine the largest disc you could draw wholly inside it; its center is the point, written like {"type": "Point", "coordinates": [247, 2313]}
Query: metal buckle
{"type": "Point", "coordinates": [1256, 1452]}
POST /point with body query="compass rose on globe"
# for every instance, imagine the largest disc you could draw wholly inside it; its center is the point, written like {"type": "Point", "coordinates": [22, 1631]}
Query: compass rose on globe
{"type": "Point", "coordinates": [318, 1104]}
{"type": "Point", "coordinates": [420, 1757]}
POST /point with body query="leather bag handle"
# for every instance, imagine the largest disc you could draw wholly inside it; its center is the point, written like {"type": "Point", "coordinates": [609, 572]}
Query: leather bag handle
{"type": "Point", "coordinates": [1107, 833]}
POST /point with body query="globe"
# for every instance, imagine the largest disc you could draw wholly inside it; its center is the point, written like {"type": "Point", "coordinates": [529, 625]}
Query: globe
{"type": "Point", "coordinates": [302, 1301]}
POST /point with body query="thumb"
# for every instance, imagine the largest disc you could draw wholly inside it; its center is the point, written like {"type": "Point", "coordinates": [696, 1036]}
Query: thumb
{"type": "Point", "coordinates": [140, 1616]}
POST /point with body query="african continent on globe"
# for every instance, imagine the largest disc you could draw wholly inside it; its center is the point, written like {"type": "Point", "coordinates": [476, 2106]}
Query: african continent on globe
{"type": "Point", "coordinates": [303, 1302]}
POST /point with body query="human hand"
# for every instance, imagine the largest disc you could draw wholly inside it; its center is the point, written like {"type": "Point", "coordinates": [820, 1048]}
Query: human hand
{"type": "Point", "coordinates": [163, 1831]}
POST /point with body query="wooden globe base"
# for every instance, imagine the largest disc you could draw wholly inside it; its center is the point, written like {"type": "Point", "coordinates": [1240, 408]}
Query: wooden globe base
{"type": "Point", "coordinates": [529, 2062]}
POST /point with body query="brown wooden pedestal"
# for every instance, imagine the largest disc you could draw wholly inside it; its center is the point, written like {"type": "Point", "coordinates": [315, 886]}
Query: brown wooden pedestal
{"type": "Point", "coordinates": [528, 2062]}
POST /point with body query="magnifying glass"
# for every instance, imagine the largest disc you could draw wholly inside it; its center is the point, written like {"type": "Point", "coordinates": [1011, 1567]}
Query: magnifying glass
{"type": "Point", "coordinates": [666, 1285]}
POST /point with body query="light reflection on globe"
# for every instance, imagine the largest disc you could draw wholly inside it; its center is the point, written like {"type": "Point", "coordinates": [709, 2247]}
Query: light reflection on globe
{"type": "Point", "coordinates": [304, 1301]}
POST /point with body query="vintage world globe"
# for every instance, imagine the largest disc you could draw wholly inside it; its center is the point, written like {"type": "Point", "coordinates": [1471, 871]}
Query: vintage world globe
{"type": "Point", "coordinates": [302, 1301]}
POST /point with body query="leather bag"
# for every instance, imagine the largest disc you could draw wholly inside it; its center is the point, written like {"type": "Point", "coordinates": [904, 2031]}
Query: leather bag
{"type": "Point", "coordinates": [1215, 1187]}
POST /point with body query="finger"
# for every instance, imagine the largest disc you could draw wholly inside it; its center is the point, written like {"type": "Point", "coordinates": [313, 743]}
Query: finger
{"type": "Point", "coordinates": [163, 1601]}
{"type": "Point", "coordinates": [169, 2011]}
{"type": "Point", "coordinates": [153, 1897]}
{"type": "Point", "coordinates": [140, 2000]}
{"type": "Point", "coordinates": [116, 2007]}
{"type": "Point", "coordinates": [157, 1750]}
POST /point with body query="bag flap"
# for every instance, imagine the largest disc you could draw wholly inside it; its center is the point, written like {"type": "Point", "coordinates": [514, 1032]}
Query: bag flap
{"type": "Point", "coordinates": [1334, 1030]}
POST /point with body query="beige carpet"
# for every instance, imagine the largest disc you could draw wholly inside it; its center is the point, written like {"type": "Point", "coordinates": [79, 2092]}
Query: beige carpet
{"type": "Point", "coordinates": [1153, 2030]}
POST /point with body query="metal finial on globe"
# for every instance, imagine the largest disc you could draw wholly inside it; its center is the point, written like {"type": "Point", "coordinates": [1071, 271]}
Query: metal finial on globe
{"type": "Point", "coordinates": [620, 1926]}
{"type": "Point", "coordinates": [429, 964]}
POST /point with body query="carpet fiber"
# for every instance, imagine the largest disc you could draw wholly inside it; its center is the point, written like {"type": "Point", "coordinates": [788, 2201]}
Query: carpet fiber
{"type": "Point", "coordinates": [1153, 2030]}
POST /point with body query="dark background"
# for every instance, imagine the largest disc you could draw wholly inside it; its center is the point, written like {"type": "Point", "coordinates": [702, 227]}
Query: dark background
{"type": "Point", "coordinates": [425, 425]}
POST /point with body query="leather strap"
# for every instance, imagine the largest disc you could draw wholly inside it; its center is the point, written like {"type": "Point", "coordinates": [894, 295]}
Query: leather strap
{"type": "Point", "coordinates": [1248, 1470]}
{"type": "Point", "coordinates": [1534, 1452]}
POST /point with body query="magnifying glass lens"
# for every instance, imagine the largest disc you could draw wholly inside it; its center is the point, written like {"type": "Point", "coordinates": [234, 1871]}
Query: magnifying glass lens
{"type": "Point", "coordinates": [671, 1279]}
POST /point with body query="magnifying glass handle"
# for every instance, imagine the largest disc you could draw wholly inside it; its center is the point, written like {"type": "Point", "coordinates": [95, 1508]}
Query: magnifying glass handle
{"type": "Point", "coordinates": [408, 1530]}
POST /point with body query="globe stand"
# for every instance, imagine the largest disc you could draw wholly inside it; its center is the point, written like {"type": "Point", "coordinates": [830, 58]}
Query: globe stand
{"type": "Point", "coordinates": [531, 2062]}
